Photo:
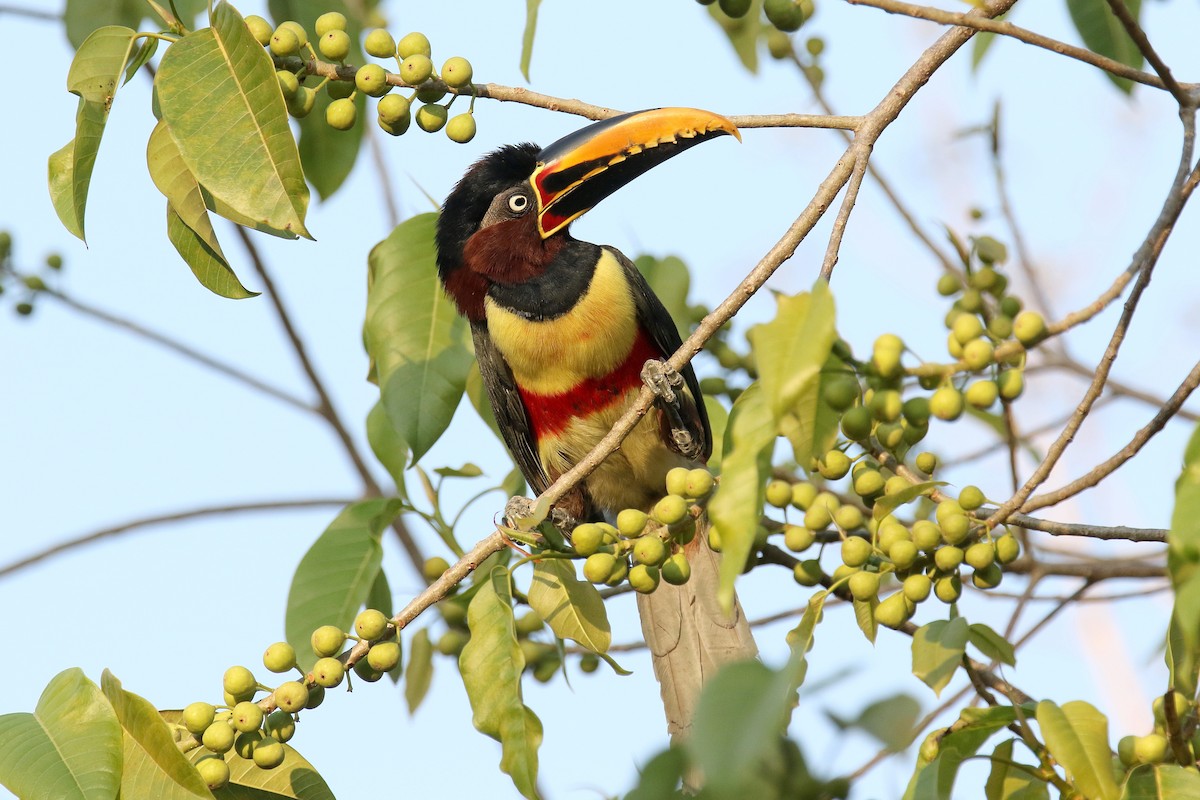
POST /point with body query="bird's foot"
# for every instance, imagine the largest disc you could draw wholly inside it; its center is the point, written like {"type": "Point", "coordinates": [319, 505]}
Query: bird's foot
{"type": "Point", "coordinates": [663, 380]}
{"type": "Point", "coordinates": [518, 510]}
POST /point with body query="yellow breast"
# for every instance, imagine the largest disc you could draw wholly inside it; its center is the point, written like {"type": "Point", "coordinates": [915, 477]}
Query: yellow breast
{"type": "Point", "coordinates": [589, 341]}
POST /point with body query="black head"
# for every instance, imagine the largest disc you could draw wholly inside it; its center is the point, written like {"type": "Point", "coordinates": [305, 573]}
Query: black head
{"type": "Point", "coordinates": [470, 199]}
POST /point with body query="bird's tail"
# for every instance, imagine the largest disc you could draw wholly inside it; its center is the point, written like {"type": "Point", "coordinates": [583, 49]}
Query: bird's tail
{"type": "Point", "coordinates": [689, 635]}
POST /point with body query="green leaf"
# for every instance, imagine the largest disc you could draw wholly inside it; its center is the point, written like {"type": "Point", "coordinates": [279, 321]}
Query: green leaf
{"type": "Point", "coordinates": [172, 177]}
{"type": "Point", "coordinates": [891, 720]}
{"type": "Point", "coordinates": [742, 713]}
{"type": "Point", "coordinates": [1103, 33]}
{"type": "Point", "coordinates": [1077, 736]}
{"type": "Point", "coordinates": [1162, 782]}
{"type": "Point", "coordinates": [335, 576]}
{"type": "Point", "coordinates": [419, 673]}
{"type": "Point", "coordinates": [991, 644]}
{"type": "Point", "coordinates": [467, 470]}
{"type": "Point", "coordinates": [94, 76]}
{"type": "Point", "coordinates": [718, 420]}
{"type": "Point", "coordinates": [670, 280]}
{"type": "Point", "coordinates": [61, 178]}
{"type": "Point", "coordinates": [209, 266]}
{"type": "Point", "coordinates": [572, 608]}
{"type": "Point", "coordinates": [660, 778]}
{"type": "Point", "coordinates": [69, 748]}
{"type": "Point", "coordinates": [153, 765]}
{"type": "Point", "coordinates": [387, 446]}
{"type": "Point", "coordinates": [380, 595]}
{"type": "Point", "coordinates": [144, 53]}
{"type": "Point", "coordinates": [82, 17]}
{"type": "Point", "coordinates": [825, 420]}
{"type": "Point", "coordinates": [413, 335]}
{"type": "Point", "coordinates": [219, 95]}
{"type": "Point", "coordinates": [934, 780]}
{"type": "Point", "coordinates": [491, 666]}
{"type": "Point", "coordinates": [790, 351]}
{"type": "Point", "coordinates": [745, 461]}
{"type": "Point", "coordinates": [981, 42]}
{"type": "Point", "coordinates": [531, 15]}
{"type": "Point", "coordinates": [889, 503]}
{"type": "Point", "coordinates": [1183, 564]}
{"type": "Point", "coordinates": [801, 638]}
{"type": "Point", "coordinates": [743, 33]}
{"type": "Point", "coordinates": [937, 650]}
{"type": "Point", "coordinates": [1006, 782]}
{"type": "Point", "coordinates": [864, 615]}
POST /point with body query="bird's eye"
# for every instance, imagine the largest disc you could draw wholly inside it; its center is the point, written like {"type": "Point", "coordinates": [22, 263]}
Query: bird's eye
{"type": "Point", "coordinates": [518, 203]}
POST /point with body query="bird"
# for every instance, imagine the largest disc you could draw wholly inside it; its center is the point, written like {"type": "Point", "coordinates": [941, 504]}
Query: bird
{"type": "Point", "coordinates": [567, 332]}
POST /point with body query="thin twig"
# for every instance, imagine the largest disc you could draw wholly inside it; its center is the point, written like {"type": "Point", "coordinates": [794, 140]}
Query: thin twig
{"type": "Point", "coordinates": [843, 215]}
{"type": "Point", "coordinates": [179, 348]}
{"type": "Point", "coordinates": [324, 403]}
{"type": "Point", "coordinates": [1103, 532]}
{"type": "Point", "coordinates": [1122, 13]}
{"type": "Point", "coordinates": [1111, 464]}
{"type": "Point", "coordinates": [1008, 29]}
{"type": "Point", "coordinates": [1115, 387]}
{"type": "Point", "coordinates": [1142, 264]}
{"type": "Point", "coordinates": [162, 519]}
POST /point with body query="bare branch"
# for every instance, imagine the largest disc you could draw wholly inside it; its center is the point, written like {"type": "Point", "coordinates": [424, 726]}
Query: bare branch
{"type": "Point", "coordinates": [325, 404]}
{"type": "Point", "coordinates": [1008, 29]}
{"type": "Point", "coordinates": [1121, 11]}
{"type": "Point", "coordinates": [843, 216]}
{"type": "Point", "coordinates": [162, 519]}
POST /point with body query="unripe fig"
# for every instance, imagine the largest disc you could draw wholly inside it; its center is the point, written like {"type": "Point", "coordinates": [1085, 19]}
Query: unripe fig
{"type": "Point", "coordinates": [966, 328]}
{"type": "Point", "coordinates": [868, 482]}
{"type": "Point", "coordinates": [1029, 327]}
{"type": "Point", "coordinates": [213, 771]}
{"type": "Point", "coordinates": [328, 672]}
{"type": "Point", "coordinates": [650, 550]}
{"type": "Point", "coordinates": [987, 578]}
{"type": "Point", "coordinates": [948, 558]}
{"type": "Point", "coordinates": [587, 538]}
{"type": "Point", "coordinates": [372, 79]}
{"type": "Point", "coordinates": [946, 404]}
{"type": "Point", "coordinates": [1150, 749]}
{"type": "Point", "coordinates": [281, 725]}
{"type": "Point", "coordinates": [903, 554]}
{"type": "Point", "coordinates": [247, 716]}
{"type": "Point", "coordinates": [1125, 750]}
{"type": "Point", "coordinates": [598, 567]}
{"type": "Point", "coordinates": [917, 587]}
{"type": "Point", "coordinates": [433, 567]}
{"type": "Point", "coordinates": [291, 696]}
{"type": "Point", "coordinates": [416, 69]}
{"type": "Point", "coordinates": [296, 28]}
{"type": "Point", "coordinates": [384, 656]}
{"type": "Point", "coordinates": [803, 495]}
{"type": "Point", "coordinates": [316, 696]}
{"type": "Point", "coordinates": [341, 114]}
{"type": "Point", "coordinates": [671, 509]}
{"type": "Point", "coordinates": [786, 15]}
{"type": "Point", "coordinates": [279, 657]}
{"type": "Point", "coordinates": [370, 624]}
{"type": "Point", "coordinates": [676, 570]}
{"type": "Point", "coordinates": [855, 551]}
{"type": "Point", "coordinates": [260, 29]}
{"type": "Point", "coordinates": [864, 585]}
{"type": "Point", "coordinates": [239, 680]}
{"type": "Point", "coordinates": [818, 517]}
{"type": "Point", "coordinates": [926, 462]}
{"type": "Point", "coordinates": [926, 535]}
{"type": "Point", "coordinates": [301, 104]}
{"type": "Point", "coordinates": [379, 43]}
{"type": "Point", "coordinates": [980, 555]}
{"type": "Point", "coordinates": [978, 353]}
{"type": "Point", "coordinates": [797, 539]}
{"type": "Point", "coordinates": [856, 423]}
{"type": "Point", "coordinates": [268, 753]}
{"type": "Point", "coordinates": [848, 518]}
{"type": "Point", "coordinates": [808, 572]}
{"type": "Point", "coordinates": [413, 44]}
{"type": "Point", "coordinates": [457, 72]}
{"type": "Point", "coordinates": [971, 497]}
{"type": "Point", "coordinates": [643, 578]}
{"type": "Point", "coordinates": [948, 589]}
{"type": "Point", "coordinates": [734, 8]}
{"type": "Point", "coordinates": [365, 672]}
{"type": "Point", "coordinates": [832, 466]}
{"type": "Point", "coordinates": [892, 611]}
{"type": "Point", "coordinates": [334, 45]}
{"type": "Point", "coordinates": [1011, 383]}
{"type": "Point", "coordinates": [284, 42]}
{"type": "Point", "coordinates": [327, 640]}
{"type": "Point", "coordinates": [218, 737]}
{"type": "Point", "coordinates": [393, 109]}
{"type": "Point", "coordinates": [982, 394]}
{"type": "Point", "coordinates": [330, 21]}
{"type": "Point", "coordinates": [698, 484]}
{"type": "Point", "coordinates": [631, 522]}
{"type": "Point", "coordinates": [1007, 548]}
{"type": "Point", "coordinates": [431, 117]}
{"type": "Point", "coordinates": [198, 716]}
{"type": "Point", "coordinates": [779, 493]}
{"type": "Point", "coordinates": [839, 391]}
{"type": "Point", "coordinates": [289, 84]}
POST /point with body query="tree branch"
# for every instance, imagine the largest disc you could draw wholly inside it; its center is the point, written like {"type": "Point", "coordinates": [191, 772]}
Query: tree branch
{"type": "Point", "coordinates": [161, 519]}
{"type": "Point", "coordinates": [1121, 11]}
{"type": "Point", "coordinates": [1021, 34]}
{"type": "Point", "coordinates": [843, 216]}
{"type": "Point", "coordinates": [324, 404]}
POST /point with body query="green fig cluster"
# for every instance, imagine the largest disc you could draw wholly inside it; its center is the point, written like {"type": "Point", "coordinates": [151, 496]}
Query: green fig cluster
{"type": "Point", "coordinates": [1155, 747]}
{"type": "Point", "coordinates": [646, 548]}
{"type": "Point", "coordinates": [241, 726]}
{"type": "Point", "coordinates": [289, 43]}
{"type": "Point", "coordinates": [785, 16]}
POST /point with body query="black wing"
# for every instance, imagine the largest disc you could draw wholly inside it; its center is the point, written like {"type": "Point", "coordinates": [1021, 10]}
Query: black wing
{"type": "Point", "coordinates": [656, 321]}
{"type": "Point", "coordinates": [509, 408]}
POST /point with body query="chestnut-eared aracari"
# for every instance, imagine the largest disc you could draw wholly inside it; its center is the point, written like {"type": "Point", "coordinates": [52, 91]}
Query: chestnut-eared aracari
{"type": "Point", "coordinates": [563, 331]}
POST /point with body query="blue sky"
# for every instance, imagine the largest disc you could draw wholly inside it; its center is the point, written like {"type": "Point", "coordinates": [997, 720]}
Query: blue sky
{"type": "Point", "coordinates": [99, 427]}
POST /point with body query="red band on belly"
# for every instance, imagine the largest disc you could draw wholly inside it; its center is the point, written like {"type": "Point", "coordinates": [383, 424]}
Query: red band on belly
{"type": "Point", "coordinates": [550, 414]}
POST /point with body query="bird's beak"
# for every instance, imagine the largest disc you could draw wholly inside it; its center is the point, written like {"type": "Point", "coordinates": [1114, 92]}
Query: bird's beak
{"type": "Point", "coordinates": [581, 169]}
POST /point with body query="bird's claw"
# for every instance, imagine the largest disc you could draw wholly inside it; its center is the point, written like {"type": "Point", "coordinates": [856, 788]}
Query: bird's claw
{"type": "Point", "coordinates": [663, 379]}
{"type": "Point", "coordinates": [518, 509]}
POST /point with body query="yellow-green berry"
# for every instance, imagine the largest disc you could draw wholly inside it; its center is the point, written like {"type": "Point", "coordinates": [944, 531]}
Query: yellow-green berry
{"type": "Point", "coordinates": [431, 117]}
{"type": "Point", "coordinates": [330, 21]}
{"type": "Point", "coordinates": [413, 44]}
{"type": "Point", "coordinates": [457, 72]}
{"type": "Point", "coordinates": [260, 29]}
{"type": "Point", "coordinates": [384, 656]}
{"type": "Point", "coordinates": [379, 43]}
